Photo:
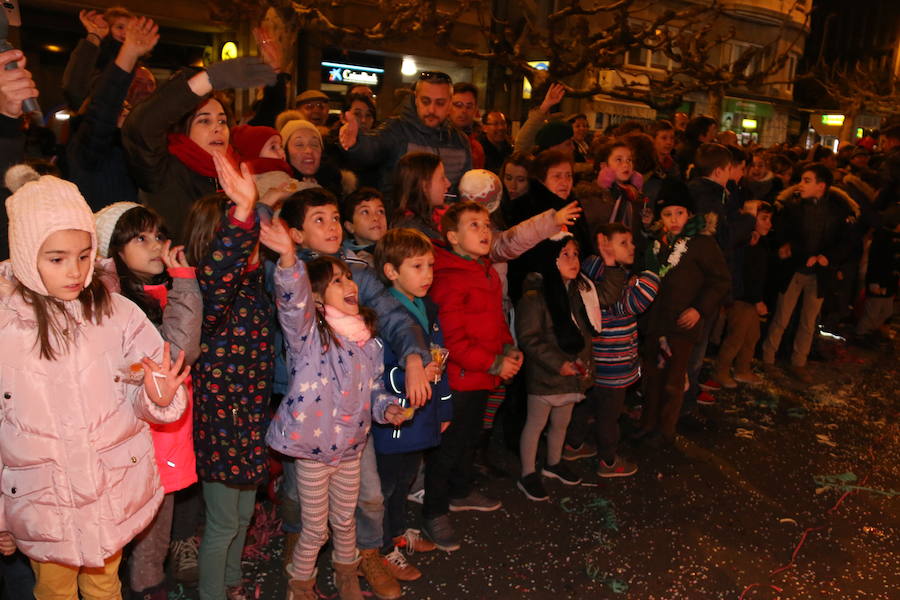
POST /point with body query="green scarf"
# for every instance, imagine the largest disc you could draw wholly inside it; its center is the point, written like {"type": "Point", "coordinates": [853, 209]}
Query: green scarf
{"type": "Point", "coordinates": [416, 306]}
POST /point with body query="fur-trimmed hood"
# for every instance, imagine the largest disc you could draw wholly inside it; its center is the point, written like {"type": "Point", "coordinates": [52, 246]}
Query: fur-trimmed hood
{"type": "Point", "coordinates": [854, 181]}
{"type": "Point", "coordinates": [788, 196]}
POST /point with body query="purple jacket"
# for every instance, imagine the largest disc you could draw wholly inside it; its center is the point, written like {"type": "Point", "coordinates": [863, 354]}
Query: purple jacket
{"type": "Point", "coordinates": [327, 411]}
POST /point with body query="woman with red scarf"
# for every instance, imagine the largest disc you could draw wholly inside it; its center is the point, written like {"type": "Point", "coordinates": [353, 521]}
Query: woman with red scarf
{"type": "Point", "coordinates": [170, 137]}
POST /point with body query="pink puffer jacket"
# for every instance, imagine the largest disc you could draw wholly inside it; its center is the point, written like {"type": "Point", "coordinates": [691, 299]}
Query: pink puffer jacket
{"type": "Point", "coordinates": [78, 477]}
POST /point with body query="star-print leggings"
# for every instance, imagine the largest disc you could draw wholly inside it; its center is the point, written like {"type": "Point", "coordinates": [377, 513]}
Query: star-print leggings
{"type": "Point", "coordinates": [327, 494]}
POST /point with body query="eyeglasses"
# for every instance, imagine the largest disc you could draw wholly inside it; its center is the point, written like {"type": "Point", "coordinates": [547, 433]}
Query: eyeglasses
{"type": "Point", "coordinates": [435, 76]}
{"type": "Point", "coordinates": [315, 104]}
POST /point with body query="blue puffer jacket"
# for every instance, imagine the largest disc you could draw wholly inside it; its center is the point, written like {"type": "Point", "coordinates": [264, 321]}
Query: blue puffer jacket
{"type": "Point", "coordinates": [333, 395]}
{"type": "Point", "coordinates": [396, 328]}
{"type": "Point", "coordinates": [424, 430]}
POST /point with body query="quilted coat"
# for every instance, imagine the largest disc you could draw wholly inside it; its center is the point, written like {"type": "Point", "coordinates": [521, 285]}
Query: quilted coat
{"type": "Point", "coordinates": [78, 479]}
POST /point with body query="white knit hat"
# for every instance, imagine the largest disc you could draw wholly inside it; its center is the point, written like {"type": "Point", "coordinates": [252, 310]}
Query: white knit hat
{"type": "Point", "coordinates": [37, 210]}
{"type": "Point", "coordinates": [482, 186]}
{"type": "Point", "coordinates": [105, 220]}
{"type": "Point", "coordinates": [292, 127]}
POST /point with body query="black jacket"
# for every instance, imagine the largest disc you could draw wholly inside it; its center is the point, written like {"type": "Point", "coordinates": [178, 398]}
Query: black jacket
{"type": "Point", "coordinates": [837, 243]}
{"type": "Point", "coordinates": [97, 161]}
{"type": "Point", "coordinates": [167, 185]}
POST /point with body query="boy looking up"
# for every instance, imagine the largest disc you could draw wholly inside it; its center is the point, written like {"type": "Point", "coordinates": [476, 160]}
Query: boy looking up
{"type": "Point", "coordinates": [469, 296]}
{"type": "Point", "coordinates": [404, 259]}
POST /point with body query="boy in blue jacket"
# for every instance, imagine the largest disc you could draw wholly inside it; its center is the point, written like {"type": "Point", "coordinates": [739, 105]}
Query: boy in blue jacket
{"type": "Point", "coordinates": [404, 259]}
{"type": "Point", "coordinates": [314, 221]}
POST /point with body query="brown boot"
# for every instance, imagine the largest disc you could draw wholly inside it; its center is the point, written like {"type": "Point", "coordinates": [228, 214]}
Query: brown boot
{"type": "Point", "coordinates": [374, 568]}
{"type": "Point", "coordinates": [290, 540]}
{"type": "Point", "coordinates": [346, 580]}
{"type": "Point", "coordinates": [302, 589]}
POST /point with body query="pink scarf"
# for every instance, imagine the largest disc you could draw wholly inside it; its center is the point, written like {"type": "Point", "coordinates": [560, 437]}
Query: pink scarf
{"type": "Point", "coordinates": [352, 327]}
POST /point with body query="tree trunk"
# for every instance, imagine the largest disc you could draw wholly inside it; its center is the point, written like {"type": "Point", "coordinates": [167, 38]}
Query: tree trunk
{"type": "Point", "coordinates": [848, 132]}
{"type": "Point", "coordinates": [715, 97]}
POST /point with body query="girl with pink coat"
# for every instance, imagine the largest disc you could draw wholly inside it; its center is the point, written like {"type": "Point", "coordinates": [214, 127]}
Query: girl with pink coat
{"type": "Point", "coordinates": [82, 372]}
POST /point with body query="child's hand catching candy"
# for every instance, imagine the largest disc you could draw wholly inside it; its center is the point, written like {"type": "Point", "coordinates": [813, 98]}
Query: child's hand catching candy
{"type": "Point", "coordinates": [162, 381]}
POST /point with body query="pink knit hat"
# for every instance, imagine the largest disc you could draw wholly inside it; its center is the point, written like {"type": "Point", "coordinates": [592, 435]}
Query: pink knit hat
{"type": "Point", "coordinates": [37, 210]}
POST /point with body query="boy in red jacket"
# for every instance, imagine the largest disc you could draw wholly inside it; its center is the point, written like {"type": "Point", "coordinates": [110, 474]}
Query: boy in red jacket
{"type": "Point", "coordinates": [469, 296]}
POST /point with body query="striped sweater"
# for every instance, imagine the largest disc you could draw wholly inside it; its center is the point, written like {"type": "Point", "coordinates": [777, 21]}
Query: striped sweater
{"type": "Point", "coordinates": [615, 349]}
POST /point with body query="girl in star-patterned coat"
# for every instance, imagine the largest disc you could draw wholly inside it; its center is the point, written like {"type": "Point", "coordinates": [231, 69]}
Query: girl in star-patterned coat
{"type": "Point", "coordinates": [335, 365]}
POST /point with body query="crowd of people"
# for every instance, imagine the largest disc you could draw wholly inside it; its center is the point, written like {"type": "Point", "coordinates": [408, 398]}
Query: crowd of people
{"type": "Point", "coordinates": [192, 305]}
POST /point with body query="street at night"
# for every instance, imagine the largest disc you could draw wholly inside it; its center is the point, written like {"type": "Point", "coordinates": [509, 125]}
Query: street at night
{"type": "Point", "coordinates": [794, 495]}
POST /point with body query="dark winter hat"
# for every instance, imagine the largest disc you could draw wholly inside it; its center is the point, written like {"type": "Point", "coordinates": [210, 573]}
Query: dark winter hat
{"type": "Point", "coordinates": [553, 133]}
{"type": "Point", "coordinates": [249, 140]}
{"type": "Point", "coordinates": [674, 193]}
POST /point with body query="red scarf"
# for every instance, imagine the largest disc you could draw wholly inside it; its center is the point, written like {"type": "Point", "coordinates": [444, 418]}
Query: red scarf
{"type": "Point", "coordinates": [196, 158]}
{"type": "Point", "coordinates": [258, 166]}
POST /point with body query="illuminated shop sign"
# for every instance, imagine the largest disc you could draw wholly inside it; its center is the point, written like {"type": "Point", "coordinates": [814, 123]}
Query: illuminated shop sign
{"type": "Point", "coordinates": [832, 119]}
{"type": "Point", "coordinates": [351, 74]}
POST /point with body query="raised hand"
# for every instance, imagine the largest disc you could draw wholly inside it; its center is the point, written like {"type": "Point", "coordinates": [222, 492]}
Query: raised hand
{"type": "Point", "coordinates": [604, 245]}
{"type": "Point", "coordinates": [16, 85]}
{"type": "Point", "coordinates": [94, 24]}
{"type": "Point", "coordinates": [269, 48]}
{"type": "Point", "coordinates": [161, 382]}
{"type": "Point", "coordinates": [239, 186]}
{"type": "Point", "coordinates": [349, 131]}
{"type": "Point", "coordinates": [555, 93]}
{"type": "Point", "coordinates": [141, 35]}
{"type": "Point", "coordinates": [568, 214]}
{"type": "Point", "coordinates": [173, 256]}
{"type": "Point", "coordinates": [276, 237]}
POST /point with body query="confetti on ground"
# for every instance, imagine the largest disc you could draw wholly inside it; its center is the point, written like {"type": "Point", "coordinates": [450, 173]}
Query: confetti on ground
{"type": "Point", "coordinates": [716, 517]}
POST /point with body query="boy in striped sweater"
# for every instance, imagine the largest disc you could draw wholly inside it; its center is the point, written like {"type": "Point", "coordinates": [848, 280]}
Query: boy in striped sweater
{"type": "Point", "coordinates": [615, 349]}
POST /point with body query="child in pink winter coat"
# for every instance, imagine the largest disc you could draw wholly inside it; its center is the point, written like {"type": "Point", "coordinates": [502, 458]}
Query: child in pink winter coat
{"type": "Point", "coordinates": [82, 371]}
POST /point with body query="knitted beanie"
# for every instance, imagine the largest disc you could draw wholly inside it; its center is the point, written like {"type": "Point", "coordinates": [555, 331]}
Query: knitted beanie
{"type": "Point", "coordinates": [249, 140]}
{"type": "Point", "coordinates": [37, 210]}
{"type": "Point", "coordinates": [105, 220]}
{"type": "Point", "coordinates": [674, 193]}
{"type": "Point", "coordinates": [552, 134]}
{"type": "Point", "coordinates": [482, 186]}
{"type": "Point", "coordinates": [292, 127]}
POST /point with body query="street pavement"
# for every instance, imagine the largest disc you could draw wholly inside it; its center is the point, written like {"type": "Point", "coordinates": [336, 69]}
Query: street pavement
{"type": "Point", "coordinates": [790, 492]}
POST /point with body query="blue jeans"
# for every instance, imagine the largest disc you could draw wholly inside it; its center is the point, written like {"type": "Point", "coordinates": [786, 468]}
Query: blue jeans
{"type": "Point", "coordinates": [18, 578]}
{"type": "Point", "coordinates": [370, 506]}
{"type": "Point", "coordinates": [228, 513]}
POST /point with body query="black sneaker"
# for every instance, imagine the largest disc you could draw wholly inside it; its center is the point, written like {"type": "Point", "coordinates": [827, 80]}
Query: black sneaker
{"type": "Point", "coordinates": [561, 472]}
{"type": "Point", "coordinates": [474, 501]}
{"type": "Point", "coordinates": [532, 487]}
{"type": "Point", "coordinates": [440, 531]}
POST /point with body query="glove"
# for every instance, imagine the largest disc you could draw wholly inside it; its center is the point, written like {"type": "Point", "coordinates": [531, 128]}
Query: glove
{"type": "Point", "coordinates": [240, 73]}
